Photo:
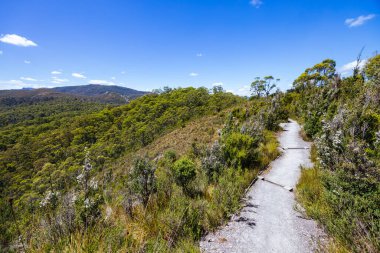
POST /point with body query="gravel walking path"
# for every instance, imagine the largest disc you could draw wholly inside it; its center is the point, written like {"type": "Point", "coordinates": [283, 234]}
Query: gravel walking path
{"type": "Point", "coordinates": [269, 222]}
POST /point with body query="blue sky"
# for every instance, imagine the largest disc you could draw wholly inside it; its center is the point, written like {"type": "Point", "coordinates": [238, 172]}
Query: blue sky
{"type": "Point", "coordinates": [147, 44]}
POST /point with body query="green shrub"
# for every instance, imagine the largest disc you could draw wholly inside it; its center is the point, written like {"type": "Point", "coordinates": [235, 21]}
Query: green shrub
{"type": "Point", "coordinates": [213, 162]}
{"type": "Point", "coordinates": [240, 150]}
{"type": "Point", "coordinates": [350, 217]}
{"type": "Point", "coordinates": [143, 179]}
{"type": "Point", "coordinates": [372, 68]}
{"type": "Point", "coordinates": [170, 156]}
{"type": "Point", "coordinates": [184, 172]}
{"type": "Point", "coordinates": [312, 125]}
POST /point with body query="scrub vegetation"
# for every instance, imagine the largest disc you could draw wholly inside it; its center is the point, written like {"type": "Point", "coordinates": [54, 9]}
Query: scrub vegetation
{"type": "Point", "coordinates": [152, 175]}
{"type": "Point", "coordinates": [157, 173]}
{"type": "Point", "coordinates": [342, 116]}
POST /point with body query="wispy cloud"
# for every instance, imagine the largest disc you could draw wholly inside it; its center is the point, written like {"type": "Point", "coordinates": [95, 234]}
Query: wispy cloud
{"type": "Point", "coordinates": [256, 3]}
{"type": "Point", "coordinates": [217, 84]}
{"type": "Point", "coordinates": [78, 75]}
{"type": "Point", "coordinates": [56, 72]}
{"type": "Point", "coordinates": [193, 74]}
{"type": "Point", "coordinates": [17, 40]}
{"type": "Point", "coordinates": [17, 84]}
{"type": "Point", "coordinates": [102, 82]}
{"type": "Point", "coordinates": [346, 68]}
{"type": "Point", "coordinates": [28, 79]}
{"type": "Point", "coordinates": [244, 91]}
{"type": "Point", "coordinates": [57, 80]}
{"type": "Point", "coordinates": [361, 20]}
{"type": "Point", "coordinates": [1, 52]}
{"type": "Point", "coordinates": [199, 54]}
{"type": "Point", "coordinates": [27, 62]}
{"type": "Point", "coordinates": [12, 84]}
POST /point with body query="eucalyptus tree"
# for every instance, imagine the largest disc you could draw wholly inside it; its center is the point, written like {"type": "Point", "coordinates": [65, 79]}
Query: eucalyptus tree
{"type": "Point", "coordinates": [318, 75]}
{"type": "Point", "coordinates": [263, 86]}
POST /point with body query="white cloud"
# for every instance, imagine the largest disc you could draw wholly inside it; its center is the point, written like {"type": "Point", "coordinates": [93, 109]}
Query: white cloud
{"type": "Point", "coordinates": [113, 78]}
{"type": "Point", "coordinates": [102, 82]}
{"type": "Point", "coordinates": [12, 84]}
{"type": "Point", "coordinates": [57, 80]}
{"type": "Point", "coordinates": [217, 84]}
{"type": "Point", "coordinates": [122, 72]}
{"type": "Point", "coordinates": [193, 74]}
{"type": "Point", "coordinates": [243, 91]}
{"type": "Point", "coordinates": [28, 79]}
{"type": "Point", "coordinates": [199, 54]}
{"type": "Point", "coordinates": [78, 75]}
{"type": "Point", "coordinates": [16, 84]}
{"type": "Point", "coordinates": [19, 84]}
{"type": "Point", "coordinates": [352, 22]}
{"type": "Point", "coordinates": [1, 52]}
{"type": "Point", "coordinates": [56, 72]}
{"type": "Point", "coordinates": [256, 3]}
{"type": "Point", "coordinates": [27, 62]}
{"type": "Point", "coordinates": [345, 69]}
{"type": "Point", "coordinates": [17, 40]}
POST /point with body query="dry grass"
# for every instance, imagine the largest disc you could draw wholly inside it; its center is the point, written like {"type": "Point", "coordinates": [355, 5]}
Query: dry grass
{"type": "Point", "coordinates": [203, 131]}
{"type": "Point", "coordinates": [336, 247]}
{"type": "Point", "coordinates": [154, 228]}
{"type": "Point", "coordinates": [313, 153]}
{"type": "Point", "coordinates": [304, 135]}
{"type": "Point", "coordinates": [310, 193]}
{"type": "Point", "coordinates": [269, 150]}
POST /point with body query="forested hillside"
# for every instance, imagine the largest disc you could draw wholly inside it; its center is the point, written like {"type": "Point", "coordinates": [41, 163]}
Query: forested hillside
{"type": "Point", "coordinates": [42, 157]}
{"type": "Point", "coordinates": [156, 174]}
{"type": "Point", "coordinates": [186, 127]}
{"type": "Point", "coordinates": [96, 90]}
{"type": "Point", "coordinates": [91, 93]}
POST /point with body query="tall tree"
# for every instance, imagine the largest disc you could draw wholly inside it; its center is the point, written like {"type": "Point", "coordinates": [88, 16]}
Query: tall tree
{"type": "Point", "coordinates": [217, 89]}
{"type": "Point", "coordinates": [318, 75]}
{"type": "Point", "coordinates": [372, 68]}
{"type": "Point", "coordinates": [263, 86]}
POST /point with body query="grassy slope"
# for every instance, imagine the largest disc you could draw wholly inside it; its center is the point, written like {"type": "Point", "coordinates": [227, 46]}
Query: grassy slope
{"type": "Point", "coordinates": [172, 221]}
{"type": "Point", "coordinates": [149, 225]}
{"type": "Point", "coordinates": [134, 125]}
{"type": "Point", "coordinates": [202, 131]}
{"type": "Point", "coordinates": [156, 226]}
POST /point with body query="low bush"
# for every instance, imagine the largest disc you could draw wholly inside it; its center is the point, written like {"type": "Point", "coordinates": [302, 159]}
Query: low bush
{"type": "Point", "coordinates": [184, 172]}
{"type": "Point", "coordinates": [240, 150]}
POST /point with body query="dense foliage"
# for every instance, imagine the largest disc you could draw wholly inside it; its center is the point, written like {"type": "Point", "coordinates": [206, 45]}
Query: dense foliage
{"type": "Point", "coordinates": [38, 112]}
{"type": "Point", "coordinates": [43, 149]}
{"type": "Point", "coordinates": [79, 176]}
{"type": "Point", "coordinates": [342, 115]}
{"type": "Point", "coordinates": [95, 93]}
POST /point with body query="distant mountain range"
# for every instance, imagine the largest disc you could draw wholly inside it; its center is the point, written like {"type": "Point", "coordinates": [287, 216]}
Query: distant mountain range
{"type": "Point", "coordinates": [91, 92]}
{"type": "Point", "coordinates": [97, 89]}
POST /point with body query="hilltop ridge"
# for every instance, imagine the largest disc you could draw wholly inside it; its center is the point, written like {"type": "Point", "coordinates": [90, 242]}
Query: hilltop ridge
{"type": "Point", "coordinates": [92, 92]}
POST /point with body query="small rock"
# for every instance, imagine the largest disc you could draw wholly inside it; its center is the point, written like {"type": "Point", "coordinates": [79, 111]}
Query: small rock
{"type": "Point", "coordinates": [222, 239]}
